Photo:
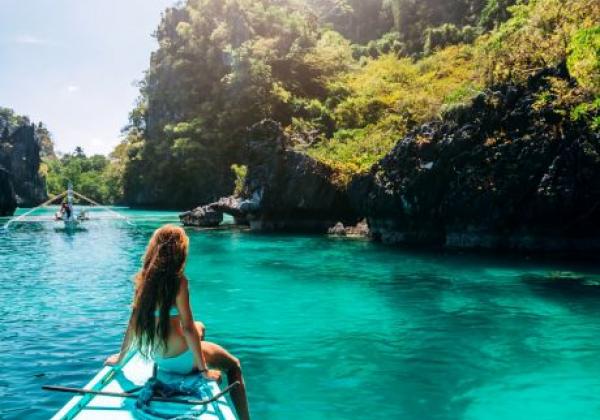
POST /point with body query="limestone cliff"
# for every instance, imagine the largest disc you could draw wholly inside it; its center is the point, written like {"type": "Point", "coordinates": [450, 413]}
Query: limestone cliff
{"type": "Point", "coordinates": [20, 181]}
{"type": "Point", "coordinates": [501, 173]}
{"type": "Point", "coordinates": [504, 173]}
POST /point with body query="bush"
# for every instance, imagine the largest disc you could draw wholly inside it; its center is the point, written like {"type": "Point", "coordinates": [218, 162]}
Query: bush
{"type": "Point", "coordinates": [584, 58]}
{"type": "Point", "coordinates": [538, 35]}
{"type": "Point", "coordinates": [389, 43]}
{"type": "Point", "coordinates": [240, 172]}
{"type": "Point", "coordinates": [389, 96]}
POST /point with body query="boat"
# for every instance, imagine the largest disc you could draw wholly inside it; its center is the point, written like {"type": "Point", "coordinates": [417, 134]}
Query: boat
{"type": "Point", "coordinates": [67, 214]}
{"type": "Point", "coordinates": [133, 373]}
{"type": "Point", "coordinates": [70, 218]}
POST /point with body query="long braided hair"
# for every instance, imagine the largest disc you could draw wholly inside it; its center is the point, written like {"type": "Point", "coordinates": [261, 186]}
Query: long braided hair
{"type": "Point", "coordinates": [157, 285]}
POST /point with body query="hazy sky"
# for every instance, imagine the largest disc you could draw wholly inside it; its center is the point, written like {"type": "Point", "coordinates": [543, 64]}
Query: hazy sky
{"type": "Point", "coordinates": [73, 64]}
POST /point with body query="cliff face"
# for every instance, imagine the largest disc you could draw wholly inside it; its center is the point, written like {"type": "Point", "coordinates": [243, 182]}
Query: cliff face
{"type": "Point", "coordinates": [20, 160]}
{"type": "Point", "coordinates": [503, 173]}
{"type": "Point", "coordinates": [8, 200]}
{"type": "Point", "coordinates": [284, 189]}
{"type": "Point", "coordinates": [506, 172]}
{"type": "Point", "coordinates": [295, 191]}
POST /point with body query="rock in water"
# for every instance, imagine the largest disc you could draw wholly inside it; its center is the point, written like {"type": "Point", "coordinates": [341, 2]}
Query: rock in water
{"type": "Point", "coordinates": [20, 181]}
{"type": "Point", "coordinates": [360, 230]}
{"type": "Point", "coordinates": [204, 216]}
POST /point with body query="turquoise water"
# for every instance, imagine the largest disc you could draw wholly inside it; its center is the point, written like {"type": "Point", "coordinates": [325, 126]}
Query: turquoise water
{"type": "Point", "coordinates": [325, 328]}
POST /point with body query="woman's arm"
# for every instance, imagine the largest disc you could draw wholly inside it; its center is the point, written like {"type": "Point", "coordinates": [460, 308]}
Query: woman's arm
{"type": "Point", "coordinates": [190, 332]}
{"type": "Point", "coordinates": [115, 359]}
{"type": "Point", "coordinates": [188, 326]}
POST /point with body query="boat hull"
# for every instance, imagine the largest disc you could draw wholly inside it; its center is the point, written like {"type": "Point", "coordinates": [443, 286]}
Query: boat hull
{"type": "Point", "coordinates": [134, 373]}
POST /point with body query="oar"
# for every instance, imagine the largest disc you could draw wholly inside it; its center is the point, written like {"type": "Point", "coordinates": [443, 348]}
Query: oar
{"type": "Point", "coordinates": [130, 395]}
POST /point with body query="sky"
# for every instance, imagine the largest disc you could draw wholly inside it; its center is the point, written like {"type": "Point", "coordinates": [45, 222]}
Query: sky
{"type": "Point", "coordinates": [74, 65]}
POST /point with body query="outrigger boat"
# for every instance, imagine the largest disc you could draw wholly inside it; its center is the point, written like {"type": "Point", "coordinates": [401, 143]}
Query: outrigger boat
{"type": "Point", "coordinates": [67, 214]}
{"type": "Point", "coordinates": [113, 393]}
{"type": "Point", "coordinates": [71, 217]}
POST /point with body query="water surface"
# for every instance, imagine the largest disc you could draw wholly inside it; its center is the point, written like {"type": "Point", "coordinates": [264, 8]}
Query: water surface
{"type": "Point", "coordinates": [325, 328]}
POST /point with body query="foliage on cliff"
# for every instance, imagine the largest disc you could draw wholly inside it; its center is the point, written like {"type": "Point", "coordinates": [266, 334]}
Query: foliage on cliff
{"type": "Point", "coordinates": [221, 66]}
{"type": "Point", "coordinates": [383, 100]}
{"type": "Point", "coordinates": [347, 78]}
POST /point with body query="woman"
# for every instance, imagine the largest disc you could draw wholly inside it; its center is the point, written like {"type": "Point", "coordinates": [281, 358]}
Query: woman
{"type": "Point", "coordinates": [161, 324]}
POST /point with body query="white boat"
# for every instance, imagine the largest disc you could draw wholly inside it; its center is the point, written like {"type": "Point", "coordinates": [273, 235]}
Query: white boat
{"type": "Point", "coordinates": [68, 217]}
{"type": "Point", "coordinates": [133, 373]}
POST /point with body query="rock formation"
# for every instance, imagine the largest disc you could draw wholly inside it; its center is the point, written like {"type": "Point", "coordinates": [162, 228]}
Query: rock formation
{"type": "Point", "coordinates": [24, 156]}
{"type": "Point", "coordinates": [203, 216]}
{"type": "Point", "coordinates": [297, 192]}
{"type": "Point", "coordinates": [211, 214]}
{"type": "Point", "coordinates": [285, 189]}
{"type": "Point", "coordinates": [500, 174]}
{"type": "Point", "coordinates": [361, 229]}
{"type": "Point", "coordinates": [20, 181]}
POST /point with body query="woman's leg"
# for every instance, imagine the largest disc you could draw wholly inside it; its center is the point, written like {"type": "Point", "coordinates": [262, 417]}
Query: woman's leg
{"type": "Point", "coordinates": [219, 358]}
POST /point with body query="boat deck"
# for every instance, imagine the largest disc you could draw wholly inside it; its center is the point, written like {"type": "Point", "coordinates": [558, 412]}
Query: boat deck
{"type": "Point", "coordinates": [135, 372]}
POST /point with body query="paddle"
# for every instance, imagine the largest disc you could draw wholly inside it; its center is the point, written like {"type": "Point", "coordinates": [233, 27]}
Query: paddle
{"type": "Point", "coordinates": [130, 395]}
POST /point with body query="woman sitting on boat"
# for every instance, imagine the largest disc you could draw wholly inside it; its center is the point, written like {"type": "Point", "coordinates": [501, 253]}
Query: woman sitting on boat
{"type": "Point", "coordinates": [161, 325]}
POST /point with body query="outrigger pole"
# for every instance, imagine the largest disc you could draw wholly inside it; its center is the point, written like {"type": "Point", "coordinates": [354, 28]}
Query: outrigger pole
{"type": "Point", "coordinates": [82, 391]}
{"type": "Point", "coordinates": [83, 197]}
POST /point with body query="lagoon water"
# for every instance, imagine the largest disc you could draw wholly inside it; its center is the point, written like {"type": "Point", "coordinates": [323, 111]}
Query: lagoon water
{"type": "Point", "coordinates": [325, 328]}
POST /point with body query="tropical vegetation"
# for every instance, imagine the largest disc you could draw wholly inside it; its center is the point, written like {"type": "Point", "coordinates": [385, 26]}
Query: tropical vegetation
{"type": "Point", "coordinates": [347, 79]}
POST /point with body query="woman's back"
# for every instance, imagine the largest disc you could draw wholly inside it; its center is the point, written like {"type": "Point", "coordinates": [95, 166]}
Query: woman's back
{"type": "Point", "coordinates": [176, 343]}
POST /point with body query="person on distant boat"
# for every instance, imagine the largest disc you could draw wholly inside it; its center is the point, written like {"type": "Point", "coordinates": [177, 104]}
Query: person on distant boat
{"type": "Point", "coordinates": [64, 208]}
{"type": "Point", "coordinates": [161, 325]}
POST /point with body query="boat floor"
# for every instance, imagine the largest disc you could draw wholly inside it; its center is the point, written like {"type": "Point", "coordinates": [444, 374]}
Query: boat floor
{"type": "Point", "coordinates": [134, 373]}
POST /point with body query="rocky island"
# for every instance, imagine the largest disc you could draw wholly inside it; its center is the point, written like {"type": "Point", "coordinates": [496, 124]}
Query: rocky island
{"type": "Point", "coordinates": [21, 183]}
{"type": "Point", "coordinates": [497, 174]}
{"type": "Point", "coordinates": [475, 138]}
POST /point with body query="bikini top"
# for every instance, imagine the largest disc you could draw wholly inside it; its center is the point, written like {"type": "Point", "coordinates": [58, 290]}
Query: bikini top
{"type": "Point", "coordinates": [172, 312]}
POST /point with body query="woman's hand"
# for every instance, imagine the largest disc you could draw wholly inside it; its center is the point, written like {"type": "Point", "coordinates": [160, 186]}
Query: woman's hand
{"type": "Point", "coordinates": [113, 360]}
{"type": "Point", "coordinates": [212, 375]}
